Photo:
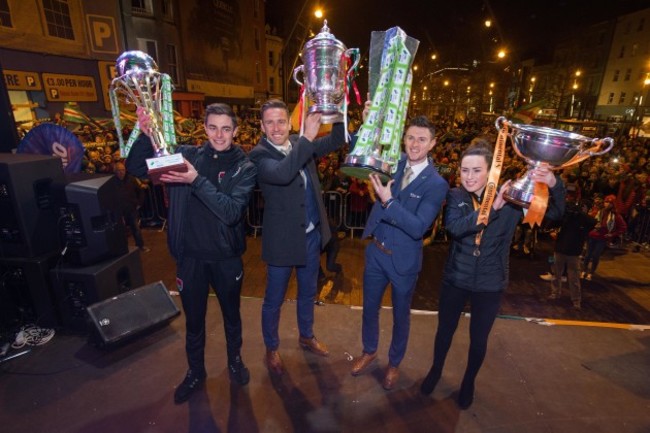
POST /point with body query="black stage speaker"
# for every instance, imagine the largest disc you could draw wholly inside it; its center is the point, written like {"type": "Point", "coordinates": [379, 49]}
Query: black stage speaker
{"type": "Point", "coordinates": [75, 288]}
{"type": "Point", "coordinates": [26, 293]}
{"type": "Point", "coordinates": [132, 313]}
{"type": "Point", "coordinates": [91, 222]}
{"type": "Point", "coordinates": [28, 214]}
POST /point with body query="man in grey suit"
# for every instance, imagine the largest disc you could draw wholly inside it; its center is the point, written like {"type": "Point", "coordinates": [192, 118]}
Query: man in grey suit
{"type": "Point", "coordinates": [295, 225]}
{"type": "Point", "coordinates": [405, 208]}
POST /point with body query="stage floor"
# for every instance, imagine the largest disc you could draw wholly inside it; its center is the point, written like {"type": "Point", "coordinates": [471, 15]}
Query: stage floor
{"type": "Point", "coordinates": [536, 378]}
{"type": "Point", "coordinates": [592, 377]}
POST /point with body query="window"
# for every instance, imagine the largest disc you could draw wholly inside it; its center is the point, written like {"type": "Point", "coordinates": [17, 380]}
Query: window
{"type": "Point", "coordinates": [272, 84]}
{"type": "Point", "coordinates": [635, 48]}
{"type": "Point", "coordinates": [616, 74]}
{"type": "Point", "coordinates": [5, 14]}
{"type": "Point", "coordinates": [150, 47]}
{"type": "Point", "coordinates": [621, 100]}
{"type": "Point", "coordinates": [142, 7]}
{"type": "Point", "coordinates": [167, 9]}
{"type": "Point", "coordinates": [641, 25]}
{"type": "Point", "coordinates": [271, 58]}
{"type": "Point", "coordinates": [610, 98]}
{"type": "Point", "coordinates": [628, 72]}
{"type": "Point", "coordinates": [172, 63]}
{"type": "Point", "coordinates": [57, 17]}
{"type": "Point", "coordinates": [257, 39]}
{"type": "Point", "coordinates": [258, 73]}
{"type": "Point", "coordinates": [622, 52]}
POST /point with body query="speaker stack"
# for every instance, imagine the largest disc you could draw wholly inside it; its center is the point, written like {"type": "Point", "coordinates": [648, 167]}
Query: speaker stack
{"type": "Point", "coordinates": [28, 238]}
{"type": "Point", "coordinates": [63, 245]}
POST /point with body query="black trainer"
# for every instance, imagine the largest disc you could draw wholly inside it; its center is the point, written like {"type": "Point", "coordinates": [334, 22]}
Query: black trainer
{"type": "Point", "coordinates": [238, 371]}
{"type": "Point", "coordinates": [191, 383]}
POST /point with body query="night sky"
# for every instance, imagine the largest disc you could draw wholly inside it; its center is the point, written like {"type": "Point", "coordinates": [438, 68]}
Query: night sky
{"type": "Point", "coordinates": [455, 28]}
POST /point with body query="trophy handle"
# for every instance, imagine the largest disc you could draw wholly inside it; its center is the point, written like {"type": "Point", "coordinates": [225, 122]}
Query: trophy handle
{"type": "Point", "coordinates": [295, 74]}
{"type": "Point", "coordinates": [353, 52]}
{"type": "Point", "coordinates": [499, 123]}
{"type": "Point", "coordinates": [597, 142]}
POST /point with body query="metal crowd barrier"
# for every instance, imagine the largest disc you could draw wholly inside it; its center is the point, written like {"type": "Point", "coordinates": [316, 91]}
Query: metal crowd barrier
{"type": "Point", "coordinates": [154, 210]}
{"type": "Point", "coordinates": [355, 220]}
{"type": "Point", "coordinates": [337, 207]}
{"type": "Point", "coordinates": [333, 201]}
{"type": "Point", "coordinates": [255, 212]}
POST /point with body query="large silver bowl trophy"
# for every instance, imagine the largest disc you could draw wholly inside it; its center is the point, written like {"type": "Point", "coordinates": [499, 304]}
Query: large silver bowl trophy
{"type": "Point", "coordinates": [139, 82]}
{"type": "Point", "coordinates": [326, 66]}
{"type": "Point", "coordinates": [539, 145]}
{"type": "Point", "coordinates": [378, 146]}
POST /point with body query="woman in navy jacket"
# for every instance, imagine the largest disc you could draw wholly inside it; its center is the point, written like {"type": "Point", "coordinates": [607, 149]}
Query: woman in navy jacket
{"type": "Point", "coordinates": [477, 265]}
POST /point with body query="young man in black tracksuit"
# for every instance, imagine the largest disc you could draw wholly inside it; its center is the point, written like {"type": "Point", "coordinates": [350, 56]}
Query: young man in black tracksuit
{"type": "Point", "coordinates": [206, 237]}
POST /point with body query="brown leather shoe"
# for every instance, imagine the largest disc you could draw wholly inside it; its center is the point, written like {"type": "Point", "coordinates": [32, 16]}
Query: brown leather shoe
{"type": "Point", "coordinates": [314, 345]}
{"type": "Point", "coordinates": [362, 362]}
{"type": "Point", "coordinates": [273, 362]}
{"type": "Point", "coordinates": [392, 374]}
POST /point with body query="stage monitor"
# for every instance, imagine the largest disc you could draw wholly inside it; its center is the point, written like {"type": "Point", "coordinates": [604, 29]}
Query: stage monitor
{"type": "Point", "coordinates": [91, 225]}
{"type": "Point", "coordinates": [77, 287]}
{"type": "Point", "coordinates": [28, 211]}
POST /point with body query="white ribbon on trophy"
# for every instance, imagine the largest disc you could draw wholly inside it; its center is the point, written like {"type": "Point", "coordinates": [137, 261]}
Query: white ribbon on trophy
{"type": "Point", "coordinates": [379, 141]}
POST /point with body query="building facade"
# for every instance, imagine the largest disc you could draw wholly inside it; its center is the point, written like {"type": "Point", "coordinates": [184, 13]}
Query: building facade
{"type": "Point", "coordinates": [59, 51]}
{"type": "Point", "coordinates": [53, 52]}
{"type": "Point", "coordinates": [623, 91]}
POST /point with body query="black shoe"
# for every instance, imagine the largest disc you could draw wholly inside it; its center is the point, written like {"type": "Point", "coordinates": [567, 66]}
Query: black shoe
{"type": "Point", "coordinates": [429, 383]}
{"type": "Point", "coordinates": [466, 395]}
{"type": "Point", "coordinates": [238, 371]}
{"type": "Point", "coordinates": [191, 383]}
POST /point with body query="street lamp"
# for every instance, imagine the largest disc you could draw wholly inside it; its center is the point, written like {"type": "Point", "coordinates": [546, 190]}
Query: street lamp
{"type": "Point", "coordinates": [563, 86]}
{"type": "Point", "coordinates": [530, 89]}
{"type": "Point", "coordinates": [637, 115]}
{"type": "Point", "coordinates": [573, 94]}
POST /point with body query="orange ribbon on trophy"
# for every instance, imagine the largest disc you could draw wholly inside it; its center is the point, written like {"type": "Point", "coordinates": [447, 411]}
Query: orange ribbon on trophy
{"type": "Point", "coordinates": [538, 205]}
{"type": "Point", "coordinates": [493, 177]}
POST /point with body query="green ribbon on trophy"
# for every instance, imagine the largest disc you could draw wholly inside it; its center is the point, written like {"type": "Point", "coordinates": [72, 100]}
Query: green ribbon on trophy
{"type": "Point", "coordinates": [379, 139]}
{"type": "Point", "coordinates": [163, 106]}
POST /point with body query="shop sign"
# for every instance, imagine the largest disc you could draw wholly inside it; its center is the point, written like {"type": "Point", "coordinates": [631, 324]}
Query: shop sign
{"type": "Point", "coordinates": [20, 80]}
{"type": "Point", "coordinates": [107, 72]}
{"type": "Point", "coordinates": [60, 87]}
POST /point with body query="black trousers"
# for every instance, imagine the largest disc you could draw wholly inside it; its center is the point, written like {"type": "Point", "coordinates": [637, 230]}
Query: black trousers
{"type": "Point", "coordinates": [194, 278]}
{"type": "Point", "coordinates": [484, 307]}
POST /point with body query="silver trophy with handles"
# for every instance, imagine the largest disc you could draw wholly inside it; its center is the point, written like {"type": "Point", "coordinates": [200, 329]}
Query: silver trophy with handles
{"type": "Point", "coordinates": [555, 148]}
{"type": "Point", "coordinates": [139, 82]}
{"type": "Point", "coordinates": [326, 66]}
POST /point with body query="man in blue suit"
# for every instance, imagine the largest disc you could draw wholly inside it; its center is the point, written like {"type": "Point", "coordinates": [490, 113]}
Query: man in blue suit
{"type": "Point", "coordinates": [405, 208]}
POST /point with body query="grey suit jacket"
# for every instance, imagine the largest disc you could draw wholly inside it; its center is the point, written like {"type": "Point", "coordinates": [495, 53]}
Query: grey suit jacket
{"type": "Point", "coordinates": [284, 239]}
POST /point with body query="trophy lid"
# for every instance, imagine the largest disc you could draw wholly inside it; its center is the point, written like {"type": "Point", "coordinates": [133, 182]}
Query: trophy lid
{"type": "Point", "coordinates": [325, 37]}
{"type": "Point", "coordinates": [136, 62]}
